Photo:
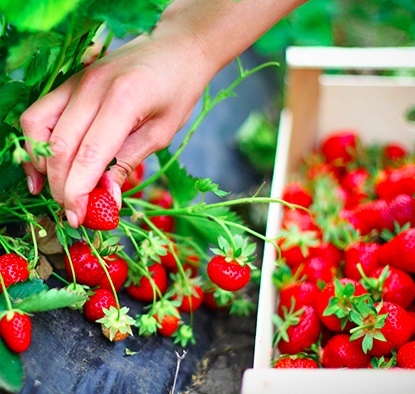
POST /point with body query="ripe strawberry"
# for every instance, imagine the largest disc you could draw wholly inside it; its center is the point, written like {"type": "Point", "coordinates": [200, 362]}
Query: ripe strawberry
{"type": "Point", "coordinates": [169, 322]}
{"type": "Point", "coordinates": [228, 274]}
{"type": "Point", "coordinates": [297, 330]}
{"type": "Point", "coordinates": [368, 216]}
{"type": "Point", "coordinates": [296, 193]}
{"type": "Point", "coordinates": [406, 356]}
{"type": "Point", "coordinates": [333, 304]}
{"type": "Point", "coordinates": [101, 299]}
{"type": "Point", "coordinates": [161, 197]}
{"type": "Point", "coordinates": [399, 252]}
{"type": "Point", "coordinates": [330, 252]}
{"type": "Point", "coordinates": [295, 244]}
{"type": "Point", "coordinates": [118, 271]}
{"type": "Point", "coordinates": [301, 293]}
{"type": "Point", "coordinates": [16, 330]}
{"type": "Point", "coordinates": [394, 181]}
{"type": "Point", "coordinates": [190, 302]}
{"type": "Point", "coordinates": [163, 222]}
{"type": "Point", "coordinates": [88, 270]}
{"type": "Point", "coordinates": [354, 183]}
{"type": "Point", "coordinates": [363, 253]}
{"type": "Point", "coordinates": [316, 268]}
{"type": "Point", "coordinates": [218, 300]}
{"type": "Point", "coordinates": [295, 362]}
{"type": "Point", "coordinates": [13, 269]}
{"type": "Point", "coordinates": [394, 152]}
{"type": "Point", "coordinates": [304, 220]}
{"type": "Point", "coordinates": [168, 260]}
{"type": "Point", "coordinates": [339, 148]}
{"type": "Point", "coordinates": [400, 210]}
{"type": "Point", "coordinates": [102, 212]}
{"type": "Point", "coordinates": [341, 352]}
{"type": "Point", "coordinates": [145, 289]}
{"type": "Point", "coordinates": [394, 285]}
{"type": "Point", "coordinates": [133, 180]}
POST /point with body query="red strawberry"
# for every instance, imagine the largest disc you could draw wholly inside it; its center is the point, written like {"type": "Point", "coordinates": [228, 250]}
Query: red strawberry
{"type": "Point", "coordinates": [297, 330]}
{"type": "Point", "coordinates": [168, 260]}
{"type": "Point", "coordinates": [394, 286]}
{"type": "Point", "coordinates": [399, 252]}
{"type": "Point", "coordinates": [335, 315]}
{"type": "Point", "coordinates": [216, 299]}
{"type": "Point", "coordinates": [190, 302]}
{"type": "Point", "coordinates": [354, 183]}
{"type": "Point", "coordinates": [93, 307]}
{"type": "Point", "coordinates": [118, 271]}
{"type": "Point", "coordinates": [163, 222]}
{"type": "Point", "coordinates": [339, 148]}
{"type": "Point", "coordinates": [102, 212]}
{"type": "Point", "coordinates": [316, 268]}
{"type": "Point", "coordinates": [304, 220]}
{"type": "Point", "coordinates": [295, 244]}
{"type": "Point", "coordinates": [16, 331]}
{"type": "Point", "coordinates": [88, 270]}
{"type": "Point", "coordinates": [383, 329]}
{"type": "Point", "coordinates": [330, 252]}
{"type": "Point", "coordinates": [161, 197]}
{"type": "Point", "coordinates": [406, 356]}
{"type": "Point", "coordinates": [302, 293]}
{"type": "Point", "coordinates": [228, 275]}
{"type": "Point", "coordinates": [13, 269]}
{"type": "Point", "coordinates": [341, 352]}
{"type": "Point", "coordinates": [369, 216]}
{"type": "Point", "coordinates": [400, 210]}
{"type": "Point", "coordinates": [295, 362]}
{"type": "Point", "coordinates": [145, 289]}
{"type": "Point", "coordinates": [133, 180]}
{"type": "Point", "coordinates": [363, 253]}
{"type": "Point", "coordinates": [296, 193]}
{"type": "Point", "coordinates": [394, 152]}
{"type": "Point", "coordinates": [394, 181]}
{"type": "Point", "coordinates": [169, 323]}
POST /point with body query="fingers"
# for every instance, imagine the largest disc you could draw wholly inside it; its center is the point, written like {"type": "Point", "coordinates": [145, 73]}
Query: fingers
{"type": "Point", "coordinates": [39, 120]}
{"type": "Point", "coordinates": [35, 180]}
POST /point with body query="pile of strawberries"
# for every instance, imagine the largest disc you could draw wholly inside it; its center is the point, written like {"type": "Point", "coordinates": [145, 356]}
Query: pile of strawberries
{"type": "Point", "coordinates": [346, 258]}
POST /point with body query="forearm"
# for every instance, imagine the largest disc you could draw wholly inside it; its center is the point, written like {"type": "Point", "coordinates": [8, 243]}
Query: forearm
{"type": "Point", "coordinates": [225, 28]}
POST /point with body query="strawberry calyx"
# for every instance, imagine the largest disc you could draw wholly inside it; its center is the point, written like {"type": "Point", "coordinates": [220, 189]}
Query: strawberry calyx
{"type": "Point", "coordinates": [116, 323]}
{"type": "Point", "coordinates": [290, 318]}
{"type": "Point", "coordinates": [147, 324]}
{"type": "Point", "coordinates": [184, 335]}
{"type": "Point", "coordinates": [374, 285]}
{"type": "Point", "coordinates": [368, 324]}
{"type": "Point", "coordinates": [293, 236]}
{"type": "Point", "coordinates": [238, 250]}
{"type": "Point", "coordinates": [384, 362]}
{"type": "Point", "coordinates": [241, 306]}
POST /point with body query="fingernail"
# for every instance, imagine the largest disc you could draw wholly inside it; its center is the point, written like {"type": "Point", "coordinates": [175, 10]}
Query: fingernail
{"type": "Point", "coordinates": [72, 218]}
{"type": "Point", "coordinates": [30, 184]}
{"type": "Point", "coordinates": [116, 193]}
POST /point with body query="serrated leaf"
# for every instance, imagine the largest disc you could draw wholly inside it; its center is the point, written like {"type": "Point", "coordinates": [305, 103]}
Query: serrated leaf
{"type": "Point", "coordinates": [181, 185]}
{"type": "Point", "coordinates": [126, 16]}
{"type": "Point", "coordinates": [21, 290]}
{"type": "Point", "coordinates": [206, 185]}
{"type": "Point", "coordinates": [35, 15]}
{"type": "Point", "coordinates": [49, 300]}
{"type": "Point", "coordinates": [11, 369]}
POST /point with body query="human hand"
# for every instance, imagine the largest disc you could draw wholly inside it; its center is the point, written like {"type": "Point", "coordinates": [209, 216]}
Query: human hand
{"type": "Point", "coordinates": [127, 105]}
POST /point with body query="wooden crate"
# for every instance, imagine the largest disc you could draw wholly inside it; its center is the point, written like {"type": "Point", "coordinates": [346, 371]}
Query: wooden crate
{"type": "Point", "coordinates": [320, 101]}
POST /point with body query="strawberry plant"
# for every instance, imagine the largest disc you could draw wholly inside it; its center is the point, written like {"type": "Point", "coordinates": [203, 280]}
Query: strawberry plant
{"type": "Point", "coordinates": [356, 270]}
{"type": "Point", "coordinates": [179, 247]}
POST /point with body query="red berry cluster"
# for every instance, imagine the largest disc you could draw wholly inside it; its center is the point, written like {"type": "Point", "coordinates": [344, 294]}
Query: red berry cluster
{"type": "Point", "coordinates": [347, 258]}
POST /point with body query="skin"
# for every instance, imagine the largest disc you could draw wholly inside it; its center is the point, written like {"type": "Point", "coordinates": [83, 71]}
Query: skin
{"type": "Point", "coordinates": [132, 102]}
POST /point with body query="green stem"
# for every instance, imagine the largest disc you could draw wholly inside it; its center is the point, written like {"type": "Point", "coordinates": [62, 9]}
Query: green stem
{"type": "Point", "coordinates": [106, 45]}
{"type": "Point", "coordinates": [208, 105]}
{"type": "Point", "coordinates": [4, 25]}
{"type": "Point", "coordinates": [61, 58]}
{"type": "Point", "coordinates": [6, 294]}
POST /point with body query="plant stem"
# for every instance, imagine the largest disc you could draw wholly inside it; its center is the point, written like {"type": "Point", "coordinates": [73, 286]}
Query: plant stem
{"type": "Point", "coordinates": [4, 25]}
{"type": "Point", "coordinates": [6, 294]}
{"type": "Point", "coordinates": [61, 58]}
{"type": "Point", "coordinates": [106, 45]}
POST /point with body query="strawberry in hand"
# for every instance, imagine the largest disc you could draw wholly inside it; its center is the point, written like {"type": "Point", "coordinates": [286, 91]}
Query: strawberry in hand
{"type": "Point", "coordinates": [230, 269]}
{"type": "Point", "coordinates": [102, 212]}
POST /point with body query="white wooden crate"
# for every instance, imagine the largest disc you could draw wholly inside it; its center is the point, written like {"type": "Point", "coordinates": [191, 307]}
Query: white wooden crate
{"type": "Point", "coordinates": [317, 104]}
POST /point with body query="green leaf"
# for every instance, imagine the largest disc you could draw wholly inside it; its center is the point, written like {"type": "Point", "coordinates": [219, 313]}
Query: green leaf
{"type": "Point", "coordinates": [11, 369]}
{"type": "Point", "coordinates": [206, 185]}
{"type": "Point", "coordinates": [49, 300]}
{"type": "Point", "coordinates": [35, 15]}
{"type": "Point", "coordinates": [126, 16]}
{"type": "Point", "coordinates": [22, 290]}
{"type": "Point", "coordinates": [367, 343]}
{"type": "Point", "coordinates": [181, 185]}
{"type": "Point", "coordinates": [12, 93]}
